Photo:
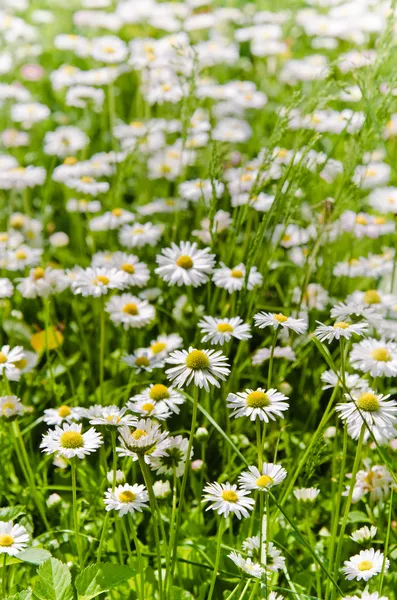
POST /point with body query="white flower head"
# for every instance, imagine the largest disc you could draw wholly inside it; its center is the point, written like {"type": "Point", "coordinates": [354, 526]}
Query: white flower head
{"type": "Point", "coordinates": [228, 499]}
{"type": "Point", "coordinates": [364, 533]}
{"type": "Point", "coordinates": [365, 565]}
{"type": "Point", "coordinates": [263, 404]}
{"type": "Point", "coordinates": [126, 498]}
{"type": "Point", "coordinates": [247, 565]}
{"type": "Point", "coordinates": [271, 475]}
{"type": "Point", "coordinates": [9, 358]}
{"type": "Point", "coordinates": [264, 319]}
{"type": "Point", "coordinates": [185, 264]}
{"type": "Point", "coordinates": [219, 331]}
{"type": "Point", "coordinates": [306, 494]}
{"type": "Point", "coordinates": [203, 367]}
{"type": "Point", "coordinates": [13, 538]}
{"type": "Point", "coordinates": [340, 329]}
{"type": "Point", "coordinates": [10, 406]}
{"type": "Point", "coordinates": [376, 357]}
{"type": "Point", "coordinates": [69, 441]}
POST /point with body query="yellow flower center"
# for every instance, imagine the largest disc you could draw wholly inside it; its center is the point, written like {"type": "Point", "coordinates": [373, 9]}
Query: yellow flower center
{"type": "Point", "coordinates": [365, 565]}
{"type": "Point", "coordinates": [361, 220]}
{"type": "Point", "coordinates": [128, 268]}
{"type": "Point", "coordinates": [109, 49]}
{"type": "Point", "coordinates": [368, 402]}
{"type": "Point", "coordinates": [372, 297]}
{"type": "Point", "coordinates": [158, 347]}
{"type": "Point", "coordinates": [341, 325]}
{"type": "Point", "coordinates": [20, 364]}
{"type": "Point", "coordinates": [286, 238]}
{"type": "Point", "coordinates": [20, 255]}
{"type": "Point", "coordinates": [280, 318]}
{"type": "Point", "coordinates": [130, 308]}
{"type": "Point", "coordinates": [237, 273]}
{"type": "Point", "coordinates": [38, 273]}
{"type": "Point", "coordinates": [136, 124]}
{"type": "Point", "coordinates": [196, 360]}
{"type": "Point", "coordinates": [101, 279]}
{"type": "Point", "coordinates": [3, 237]}
{"type": "Point", "coordinates": [138, 230]}
{"type": "Point", "coordinates": [117, 212]}
{"type": "Point", "coordinates": [7, 406]}
{"type": "Point", "coordinates": [142, 361]}
{"type": "Point", "coordinates": [224, 327]}
{"type": "Point", "coordinates": [86, 179]}
{"type": "Point", "coordinates": [159, 392]}
{"type": "Point", "coordinates": [138, 434]}
{"type": "Point", "coordinates": [229, 496]}
{"type": "Point", "coordinates": [381, 355]}
{"type": "Point", "coordinates": [70, 160]}
{"type": "Point", "coordinates": [127, 496]}
{"type": "Point", "coordinates": [370, 173]}
{"type": "Point", "coordinates": [185, 262]}
{"type": "Point", "coordinates": [64, 411]}
{"type": "Point", "coordinates": [148, 407]}
{"type": "Point", "coordinates": [380, 220]}
{"type": "Point", "coordinates": [113, 418]}
{"type": "Point", "coordinates": [263, 481]}
{"type": "Point", "coordinates": [71, 439]}
{"type": "Point", "coordinates": [6, 539]}
{"type": "Point", "coordinates": [3, 358]}
{"type": "Point", "coordinates": [257, 399]}
{"type": "Point", "coordinates": [17, 221]}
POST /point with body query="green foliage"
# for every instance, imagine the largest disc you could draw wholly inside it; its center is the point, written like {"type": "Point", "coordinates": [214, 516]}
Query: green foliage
{"type": "Point", "coordinates": [100, 578]}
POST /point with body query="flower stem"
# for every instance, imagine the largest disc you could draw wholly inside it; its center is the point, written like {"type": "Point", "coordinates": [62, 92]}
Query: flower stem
{"type": "Point", "coordinates": [139, 559]}
{"type": "Point", "coordinates": [382, 575]}
{"type": "Point", "coordinates": [75, 513]}
{"type": "Point", "coordinates": [4, 581]}
{"type": "Point", "coordinates": [217, 560]}
{"type": "Point", "coordinates": [101, 347]}
{"type": "Point", "coordinates": [270, 372]}
{"type": "Point", "coordinates": [102, 539]}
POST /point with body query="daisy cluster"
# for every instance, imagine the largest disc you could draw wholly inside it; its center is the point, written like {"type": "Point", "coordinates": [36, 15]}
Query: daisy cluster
{"type": "Point", "coordinates": [198, 297]}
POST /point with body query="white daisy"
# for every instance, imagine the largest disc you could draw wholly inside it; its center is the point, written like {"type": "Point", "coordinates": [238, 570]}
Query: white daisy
{"type": "Point", "coordinates": [185, 264]}
{"type": "Point", "coordinates": [366, 596]}
{"type": "Point", "coordinates": [233, 279]}
{"type": "Point", "coordinates": [276, 320]}
{"type": "Point", "coordinates": [149, 409]}
{"type": "Point", "coordinates": [246, 565]}
{"type": "Point", "coordinates": [375, 410]}
{"type": "Point", "coordinates": [140, 234]}
{"type": "Point", "coordinates": [98, 281]}
{"type": "Point", "coordinates": [306, 494]}
{"type": "Point", "coordinates": [112, 219]}
{"type": "Point", "coordinates": [6, 288]}
{"type": "Point", "coordinates": [145, 439]}
{"type": "Point", "coordinates": [376, 482]}
{"type": "Point", "coordinates": [203, 367]}
{"type": "Point", "coordinates": [352, 381]}
{"type": "Point", "coordinates": [10, 406]}
{"type": "Point", "coordinates": [126, 499]}
{"type": "Point", "coordinates": [119, 476]}
{"type": "Point", "coordinates": [377, 357]}
{"type": "Point", "coordinates": [143, 359]}
{"type": "Point", "coordinates": [263, 404]}
{"type": "Point", "coordinates": [271, 475]}
{"type": "Point", "coordinates": [365, 565]}
{"type": "Point", "coordinates": [164, 344]}
{"type": "Point", "coordinates": [275, 561]}
{"type": "Point", "coordinates": [174, 457]}
{"type": "Point", "coordinates": [228, 499]}
{"type": "Point", "coordinates": [159, 392]}
{"type": "Point", "coordinates": [364, 533]}
{"type": "Point", "coordinates": [138, 273]}
{"type": "Point", "coordinates": [13, 538]}
{"type": "Point", "coordinates": [130, 311]}
{"type": "Point", "coordinates": [338, 330]}
{"type": "Point", "coordinates": [219, 331]}
{"type": "Point", "coordinates": [69, 441]}
{"type": "Point", "coordinates": [112, 415]}
{"type": "Point", "coordinates": [8, 357]}
{"type": "Point", "coordinates": [57, 416]}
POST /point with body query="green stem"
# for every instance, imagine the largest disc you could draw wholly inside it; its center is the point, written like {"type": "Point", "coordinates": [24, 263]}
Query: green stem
{"type": "Point", "coordinates": [139, 559]}
{"type": "Point", "coordinates": [313, 543]}
{"type": "Point", "coordinates": [217, 560]}
{"type": "Point", "coordinates": [382, 575]}
{"type": "Point", "coordinates": [172, 528]}
{"type": "Point", "coordinates": [102, 539]}
{"type": "Point", "coordinates": [270, 372]}
{"type": "Point", "coordinates": [101, 347]}
{"type": "Point", "coordinates": [113, 433]}
{"type": "Point", "coordinates": [4, 586]}
{"type": "Point", "coordinates": [75, 512]}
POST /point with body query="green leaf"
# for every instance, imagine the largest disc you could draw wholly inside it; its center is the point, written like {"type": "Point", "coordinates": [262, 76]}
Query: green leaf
{"type": "Point", "coordinates": [356, 516]}
{"type": "Point", "coordinates": [9, 513]}
{"type": "Point", "coordinates": [24, 595]}
{"type": "Point", "coordinates": [180, 594]}
{"type": "Point", "coordinates": [96, 579]}
{"type": "Point", "coordinates": [35, 556]}
{"type": "Point", "coordinates": [54, 581]}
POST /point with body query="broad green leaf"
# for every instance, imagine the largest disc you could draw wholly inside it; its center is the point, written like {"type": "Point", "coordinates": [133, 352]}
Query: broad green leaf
{"type": "Point", "coordinates": [24, 595]}
{"type": "Point", "coordinates": [356, 516]}
{"type": "Point", "coordinates": [100, 578]}
{"type": "Point", "coordinates": [54, 582]}
{"type": "Point", "coordinates": [180, 594]}
{"type": "Point", "coordinates": [35, 556]}
{"type": "Point", "coordinates": [9, 513]}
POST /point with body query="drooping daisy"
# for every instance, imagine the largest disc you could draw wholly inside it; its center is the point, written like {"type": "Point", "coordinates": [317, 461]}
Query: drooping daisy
{"type": "Point", "coordinates": [8, 357]}
{"type": "Point", "coordinates": [377, 357]}
{"type": "Point", "coordinates": [246, 565]}
{"type": "Point", "coordinates": [219, 331]}
{"type": "Point", "coordinates": [144, 439]}
{"type": "Point", "coordinates": [162, 489]}
{"type": "Point", "coordinates": [174, 457]}
{"type": "Point", "coordinates": [270, 476]}
{"type": "Point", "coordinates": [275, 561]}
{"type": "Point", "coordinates": [114, 416]}
{"type": "Point", "coordinates": [365, 565]}
{"type": "Point", "coordinates": [364, 533]}
{"type": "Point", "coordinates": [10, 406]}
{"type": "Point", "coordinates": [69, 441]}
{"type": "Point", "coordinates": [352, 381]}
{"type": "Point", "coordinates": [373, 410]}
{"type": "Point", "coordinates": [340, 329]}
{"type": "Point", "coordinates": [118, 476]}
{"type": "Point", "coordinates": [265, 319]}
{"type": "Point", "coordinates": [13, 538]}
{"type": "Point", "coordinates": [98, 281]}
{"type": "Point", "coordinates": [228, 499]}
{"type": "Point", "coordinates": [130, 311]}
{"type": "Point", "coordinates": [126, 499]}
{"type": "Point", "coordinates": [377, 482]}
{"type": "Point", "coordinates": [57, 416]}
{"type": "Point", "coordinates": [159, 392]}
{"type": "Point", "coordinates": [203, 367]}
{"type": "Point", "coordinates": [233, 279]}
{"type": "Point", "coordinates": [306, 494]}
{"type": "Point", "coordinates": [185, 264]}
{"type": "Point", "coordinates": [263, 404]}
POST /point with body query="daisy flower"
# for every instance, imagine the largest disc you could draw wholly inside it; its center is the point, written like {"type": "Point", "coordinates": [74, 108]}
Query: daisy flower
{"type": "Point", "coordinates": [126, 499]}
{"type": "Point", "coordinates": [219, 331]}
{"type": "Point", "coordinates": [13, 538]}
{"type": "Point", "coordinates": [363, 534]}
{"type": "Point", "coordinates": [138, 235]}
{"type": "Point", "coordinates": [145, 439]}
{"type": "Point", "coordinates": [375, 410]}
{"type": "Point", "coordinates": [246, 565]}
{"type": "Point", "coordinates": [203, 367]}
{"type": "Point", "coordinates": [306, 494]}
{"type": "Point", "coordinates": [174, 457]}
{"type": "Point", "coordinates": [111, 220]}
{"type": "Point", "coordinates": [263, 404]}
{"type": "Point", "coordinates": [366, 596]}
{"type": "Point", "coordinates": [377, 481]}
{"type": "Point", "coordinates": [338, 330]}
{"type": "Point", "coordinates": [112, 415]}
{"type": "Point", "coordinates": [161, 489]}
{"type": "Point", "coordinates": [185, 264]}
{"type": "Point", "coordinates": [265, 319]}
{"type": "Point", "coordinates": [57, 416]}
{"type": "Point", "coordinates": [365, 565]}
{"type": "Point", "coordinates": [275, 561]}
{"type": "Point", "coordinates": [164, 344]}
{"type": "Point", "coordinates": [119, 476]}
{"type": "Point", "coordinates": [130, 311]}
{"type": "Point", "coordinates": [228, 499]}
{"type": "Point", "coordinates": [68, 441]}
{"type": "Point", "coordinates": [263, 354]}
{"type": "Point", "coordinates": [158, 392]}
{"type": "Point", "coordinates": [137, 272]}
{"type": "Point", "coordinates": [270, 476]}
{"type": "Point", "coordinates": [149, 409]}
{"type": "Point", "coordinates": [143, 360]}
{"type": "Point", "coordinates": [233, 279]}
{"type": "Point", "coordinates": [8, 357]}
{"type": "Point", "coordinates": [96, 282]}
{"type": "Point", "coordinates": [352, 381]}
{"type": "Point", "coordinates": [10, 406]}
{"type": "Point", "coordinates": [377, 357]}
